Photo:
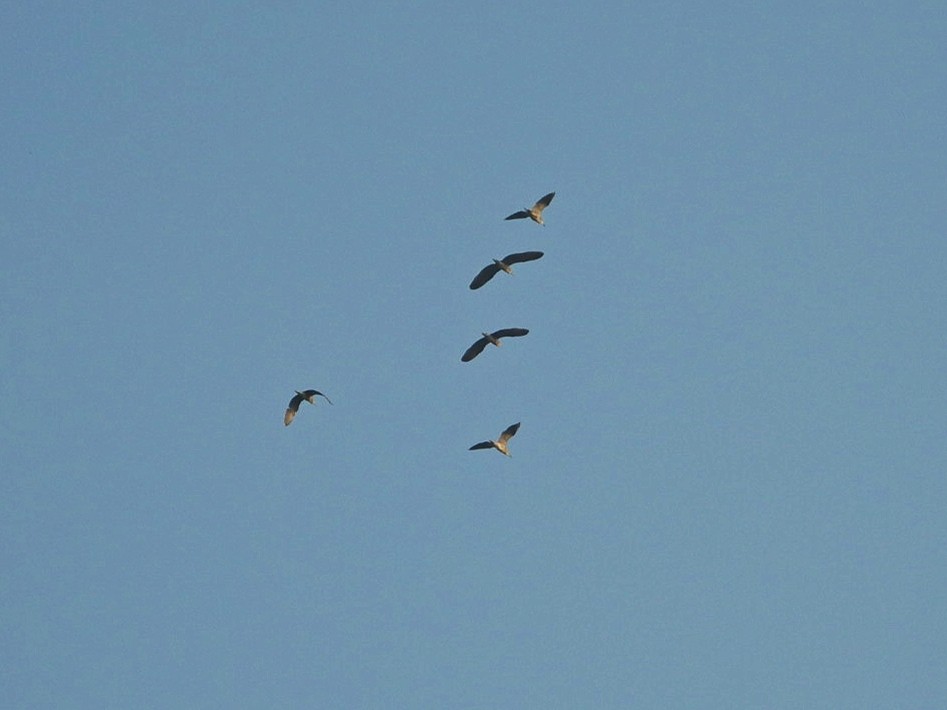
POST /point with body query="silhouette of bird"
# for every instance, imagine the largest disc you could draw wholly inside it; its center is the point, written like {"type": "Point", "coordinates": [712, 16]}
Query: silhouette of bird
{"type": "Point", "coordinates": [501, 443]}
{"type": "Point", "coordinates": [535, 212]}
{"type": "Point", "coordinates": [305, 395]}
{"type": "Point", "coordinates": [504, 264]}
{"type": "Point", "coordinates": [494, 338]}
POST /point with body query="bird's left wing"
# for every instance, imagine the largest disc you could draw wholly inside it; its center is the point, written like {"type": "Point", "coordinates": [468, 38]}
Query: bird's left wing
{"type": "Point", "coordinates": [474, 350]}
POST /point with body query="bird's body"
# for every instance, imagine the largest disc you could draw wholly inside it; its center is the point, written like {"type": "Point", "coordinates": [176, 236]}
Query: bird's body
{"type": "Point", "coordinates": [500, 444]}
{"type": "Point", "coordinates": [299, 398]}
{"type": "Point", "coordinates": [504, 264]}
{"type": "Point", "coordinates": [491, 338]}
{"type": "Point", "coordinates": [535, 212]}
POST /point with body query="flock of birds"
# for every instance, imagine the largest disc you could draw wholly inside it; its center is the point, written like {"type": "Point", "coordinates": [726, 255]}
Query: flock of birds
{"type": "Point", "coordinates": [505, 264]}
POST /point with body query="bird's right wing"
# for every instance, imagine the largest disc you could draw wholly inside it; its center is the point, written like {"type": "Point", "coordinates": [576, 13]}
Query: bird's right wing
{"type": "Point", "coordinates": [486, 273]}
{"type": "Point", "coordinates": [543, 202]}
{"type": "Point", "coordinates": [522, 256]}
{"type": "Point", "coordinates": [509, 432]}
{"type": "Point", "coordinates": [481, 445]}
{"type": "Point", "coordinates": [474, 350]}
{"type": "Point", "coordinates": [509, 333]}
{"type": "Point", "coordinates": [522, 214]}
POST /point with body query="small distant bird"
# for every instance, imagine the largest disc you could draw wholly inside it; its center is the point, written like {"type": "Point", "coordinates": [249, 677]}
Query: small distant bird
{"type": "Point", "coordinates": [535, 212]}
{"type": "Point", "coordinates": [494, 338]}
{"type": "Point", "coordinates": [501, 443]}
{"type": "Point", "coordinates": [305, 395]}
{"type": "Point", "coordinates": [504, 264]}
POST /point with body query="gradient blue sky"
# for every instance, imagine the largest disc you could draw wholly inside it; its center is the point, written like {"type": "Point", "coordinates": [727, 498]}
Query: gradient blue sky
{"type": "Point", "coordinates": [728, 490]}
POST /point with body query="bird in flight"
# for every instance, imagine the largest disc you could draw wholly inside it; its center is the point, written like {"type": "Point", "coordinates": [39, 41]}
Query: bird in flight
{"type": "Point", "coordinates": [535, 212]}
{"type": "Point", "coordinates": [504, 264]}
{"type": "Point", "coordinates": [494, 338]}
{"type": "Point", "coordinates": [501, 443]}
{"type": "Point", "coordinates": [305, 395]}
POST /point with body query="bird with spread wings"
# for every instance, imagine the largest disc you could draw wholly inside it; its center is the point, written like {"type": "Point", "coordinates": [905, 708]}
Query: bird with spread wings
{"type": "Point", "coordinates": [299, 398]}
{"type": "Point", "coordinates": [501, 443]}
{"type": "Point", "coordinates": [491, 338]}
{"type": "Point", "coordinates": [535, 212]}
{"type": "Point", "coordinates": [504, 264]}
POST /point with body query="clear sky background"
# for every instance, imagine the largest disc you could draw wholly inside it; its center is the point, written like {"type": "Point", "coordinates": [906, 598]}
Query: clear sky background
{"type": "Point", "coordinates": [728, 490]}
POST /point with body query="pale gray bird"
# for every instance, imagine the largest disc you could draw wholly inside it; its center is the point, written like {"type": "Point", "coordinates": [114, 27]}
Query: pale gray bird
{"type": "Point", "coordinates": [493, 338]}
{"type": "Point", "coordinates": [504, 264]}
{"type": "Point", "coordinates": [501, 443]}
{"type": "Point", "coordinates": [305, 395]}
{"type": "Point", "coordinates": [535, 212]}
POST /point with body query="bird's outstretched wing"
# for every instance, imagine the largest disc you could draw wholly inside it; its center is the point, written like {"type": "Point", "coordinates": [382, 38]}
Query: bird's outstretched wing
{"type": "Point", "coordinates": [317, 392]}
{"type": "Point", "coordinates": [292, 409]}
{"type": "Point", "coordinates": [509, 432]}
{"type": "Point", "coordinates": [522, 214]}
{"type": "Point", "coordinates": [481, 445]}
{"type": "Point", "coordinates": [543, 202]}
{"type": "Point", "coordinates": [474, 350]}
{"type": "Point", "coordinates": [486, 273]}
{"type": "Point", "coordinates": [310, 395]}
{"type": "Point", "coordinates": [519, 258]}
{"type": "Point", "coordinates": [508, 333]}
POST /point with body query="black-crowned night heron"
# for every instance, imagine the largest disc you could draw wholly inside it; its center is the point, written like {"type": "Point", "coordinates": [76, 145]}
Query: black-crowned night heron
{"type": "Point", "coordinates": [299, 398]}
{"type": "Point", "coordinates": [493, 338]}
{"type": "Point", "coordinates": [501, 443]}
{"type": "Point", "coordinates": [535, 212]}
{"type": "Point", "coordinates": [504, 264]}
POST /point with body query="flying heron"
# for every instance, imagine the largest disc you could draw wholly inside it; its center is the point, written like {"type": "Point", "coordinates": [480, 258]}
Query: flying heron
{"type": "Point", "coordinates": [504, 264]}
{"type": "Point", "coordinates": [501, 443]}
{"type": "Point", "coordinates": [305, 395]}
{"type": "Point", "coordinates": [494, 338]}
{"type": "Point", "coordinates": [535, 212]}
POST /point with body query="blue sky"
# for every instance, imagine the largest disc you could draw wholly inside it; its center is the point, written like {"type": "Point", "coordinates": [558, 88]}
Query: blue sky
{"type": "Point", "coordinates": [729, 485]}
